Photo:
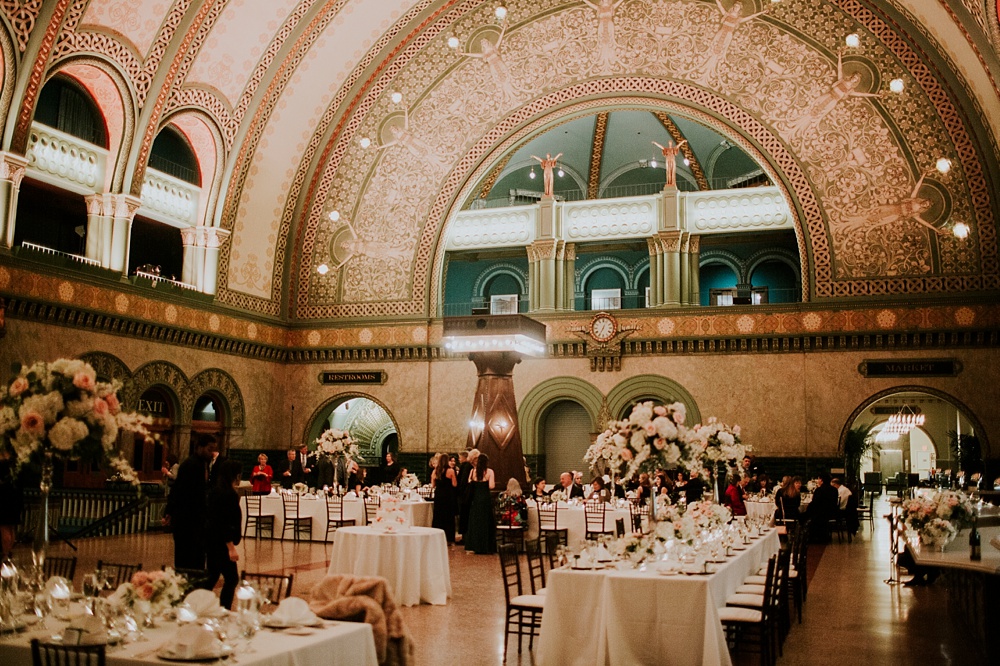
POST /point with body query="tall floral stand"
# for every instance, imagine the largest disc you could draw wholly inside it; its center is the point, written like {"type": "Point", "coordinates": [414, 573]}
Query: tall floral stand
{"type": "Point", "coordinates": [40, 546]}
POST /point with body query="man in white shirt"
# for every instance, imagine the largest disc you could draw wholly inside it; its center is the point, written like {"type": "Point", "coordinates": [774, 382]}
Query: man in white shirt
{"type": "Point", "coordinates": [843, 493]}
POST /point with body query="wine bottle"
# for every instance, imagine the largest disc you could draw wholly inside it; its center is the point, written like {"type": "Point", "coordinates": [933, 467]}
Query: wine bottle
{"type": "Point", "coordinates": [975, 543]}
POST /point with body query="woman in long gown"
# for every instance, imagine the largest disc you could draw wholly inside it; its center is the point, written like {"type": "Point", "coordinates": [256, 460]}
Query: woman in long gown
{"type": "Point", "coordinates": [445, 482]}
{"type": "Point", "coordinates": [788, 499]}
{"type": "Point", "coordinates": [482, 536]}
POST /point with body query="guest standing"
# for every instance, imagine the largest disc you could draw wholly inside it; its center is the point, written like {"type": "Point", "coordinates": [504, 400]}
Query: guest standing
{"type": "Point", "coordinates": [694, 489]}
{"type": "Point", "coordinates": [169, 471]}
{"type": "Point", "coordinates": [464, 489]}
{"type": "Point", "coordinates": [391, 470]}
{"type": "Point", "coordinates": [288, 472]}
{"type": "Point", "coordinates": [324, 472]}
{"type": "Point", "coordinates": [224, 521]}
{"type": "Point", "coordinates": [445, 482]}
{"type": "Point", "coordinates": [482, 537]}
{"type": "Point", "coordinates": [788, 498]}
{"type": "Point", "coordinates": [260, 478]}
{"type": "Point", "coordinates": [11, 502]}
{"type": "Point", "coordinates": [302, 471]}
{"type": "Point", "coordinates": [186, 505]}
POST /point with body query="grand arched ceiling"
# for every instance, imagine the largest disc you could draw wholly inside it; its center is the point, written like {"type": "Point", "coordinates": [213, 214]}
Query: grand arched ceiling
{"type": "Point", "coordinates": [293, 87]}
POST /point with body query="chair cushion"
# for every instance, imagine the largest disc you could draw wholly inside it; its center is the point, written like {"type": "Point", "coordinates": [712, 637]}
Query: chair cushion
{"type": "Point", "coordinates": [755, 580]}
{"type": "Point", "coordinates": [763, 571]}
{"type": "Point", "coordinates": [750, 589]}
{"type": "Point", "coordinates": [746, 600]}
{"type": "Point", "coordinates": [541, 592]}
{"type": "Point", "coordinates": [732, 614]}
{"type": "Point", "coordinates": [529, 601]}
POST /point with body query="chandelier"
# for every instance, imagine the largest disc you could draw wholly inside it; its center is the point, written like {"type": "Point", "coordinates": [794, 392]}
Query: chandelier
{"type": "Point", "coordinates": [903, 421]}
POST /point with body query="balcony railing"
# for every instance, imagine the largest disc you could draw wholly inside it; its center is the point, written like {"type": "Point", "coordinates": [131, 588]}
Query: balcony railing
{"type": "Point", "coordinates": [57, 253]}
{"type": "Point", "coordinates": [156, 279]}
{"type": "Point", "coordinates": [64, 160]}
{"type": "Point", "coordinates": [169, 200]}
{"type": "Point", "coordinates": [484, 307]}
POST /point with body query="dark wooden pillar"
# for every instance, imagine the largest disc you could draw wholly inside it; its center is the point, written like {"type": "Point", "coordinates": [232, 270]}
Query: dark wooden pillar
{"type": "Point", "coordinates": [494, 428]}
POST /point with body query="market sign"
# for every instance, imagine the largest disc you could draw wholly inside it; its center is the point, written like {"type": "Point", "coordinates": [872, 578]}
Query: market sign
{"type": "Point", "coordinates": [913, 367]}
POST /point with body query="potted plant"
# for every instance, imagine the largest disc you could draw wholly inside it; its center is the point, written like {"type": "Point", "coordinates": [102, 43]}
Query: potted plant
{"type": "Point", "coordinates": [858, 445]}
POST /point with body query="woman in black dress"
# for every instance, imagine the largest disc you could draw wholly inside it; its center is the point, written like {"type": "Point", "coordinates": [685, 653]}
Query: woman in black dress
{"type": "Point", "coordinates": [482, 536]}
{"type": "Point", "coordinates": [445, 483]}
{"type": "Point", "coordinates": [788, 499]}
{"type": "Point", "coordinates": [10, 505]}
{"type": "Point", "coordinates": [224, 520]}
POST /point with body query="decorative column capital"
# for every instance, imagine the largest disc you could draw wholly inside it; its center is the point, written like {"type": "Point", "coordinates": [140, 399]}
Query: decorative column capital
{"type": "Point", "coordinates": [189, 236]}
{"type": "Point", "coordinates": [570, 251]}
{"type": "Point", "coordinates": [122, 206]}
{"type": "Point", "coordinates": [695, 244]}
{"type": "Point", "coordinates": [214, 237]}
{"type": "Point", "coordinates": [95, 204]}
{"type": "Point", "coordinates": [653, 244]}
{"type": "Point", "coordinates": [685, 242]}
{"type": "Point", "coordinates": [670, 241]}
{"type": "Point", "coordinates": [12, 168]}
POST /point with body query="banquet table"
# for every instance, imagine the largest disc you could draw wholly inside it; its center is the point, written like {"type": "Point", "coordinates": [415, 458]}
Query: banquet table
{"type": "Point", "coordinates": [641, 617]}
{"type": "Point", "coordinates": [760, 509]}
{"type": "Point", "coordinates": [414, 562]}
{"type": "Point", "coordinates": [418, 512]}
{"type": "Point", "coordinates": [571, 518]}
{"type": "Point", "coordinates": [333, 644]}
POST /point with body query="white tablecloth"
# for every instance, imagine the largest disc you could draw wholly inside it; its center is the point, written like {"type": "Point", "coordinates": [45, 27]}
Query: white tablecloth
{"type": "Point", "coordinates": [760, 509]}
{"type": "Point", "coordinates": [414, 562]}
{"type": "Point", "coordinates": [340, 644]}
{"type": "Point", "coordinates": [571, 518]}
{"type": "Point", "coordinates": [640, 617]}
{"type": "Point", "coordinates": [419, 513]}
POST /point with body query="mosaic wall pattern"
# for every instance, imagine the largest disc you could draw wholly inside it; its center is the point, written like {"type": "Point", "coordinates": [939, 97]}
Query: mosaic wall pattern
{"type": "Point", "coordinates": [882, 228]}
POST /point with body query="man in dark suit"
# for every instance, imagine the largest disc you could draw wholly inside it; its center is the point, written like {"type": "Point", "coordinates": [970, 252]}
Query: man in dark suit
{"type": "Point", "coordinates": [569, 489]}
{"type": "Point", "coordinates": [302, 471]}
{"type": "Point", "coordinates": [186, 511]}
{"type": "Point", "coordinates": [694, 489]}
{"type": "Point", "coordinates": [287, 471]}
{"type": "Point", "coordinates": [822, 509]}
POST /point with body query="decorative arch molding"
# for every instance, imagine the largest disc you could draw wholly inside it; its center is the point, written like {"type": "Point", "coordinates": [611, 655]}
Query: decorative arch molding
{"type": "Point", "coordinates": [726, 258]}
{"type": "Point", "coordinates": [314, 424]}
{"type": "Point", "coordinates": [638, 271]}
{"type": "Point", "coordinates": [916, 388]}
{"type": "Point", "coordinates": [219, 383]}
{"type": "Point", "coordinates": [207, 142]}
{"type": "Point", "coordinates": [108, 367]}
{"type": "Point", "coordinates": [540, 398]}
{"type": "Point", "coordinates": [651, 386]}
{"type": "Point", "coordinates": [479, 286]}
{"type": "Point", "coordinates": [166, 375]}
{"type": "Point", "coordinates": [8, 67]}
{"type": "Point", "coordinates": [101, 77]}
{"type": "Point", "coordinates": [614, 263]}
{"type": "Point", "coordinates": [770, 254]}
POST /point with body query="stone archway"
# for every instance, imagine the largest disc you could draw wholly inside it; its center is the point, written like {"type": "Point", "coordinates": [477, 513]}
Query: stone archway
{"type": "Point", "coordinates": [651, 387]}
{"type": "Point", "coordinates": [541, 397]}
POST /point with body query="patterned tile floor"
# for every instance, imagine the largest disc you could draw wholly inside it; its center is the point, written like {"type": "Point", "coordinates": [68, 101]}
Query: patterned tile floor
{"type": "Point", "coordinates": [850, 614]}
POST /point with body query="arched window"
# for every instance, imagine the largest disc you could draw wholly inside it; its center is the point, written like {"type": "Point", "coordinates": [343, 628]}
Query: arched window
{"type": "Point", "coordinates": [502, 294]}
{"type": "Point", "coordinates": [66, 106]}
{"type": "Point", "coordinates": [172, 155]}
{"type": "Point", "coordinates": [778, 280]}
{"type": "Point", "coordinates": [604, 289]}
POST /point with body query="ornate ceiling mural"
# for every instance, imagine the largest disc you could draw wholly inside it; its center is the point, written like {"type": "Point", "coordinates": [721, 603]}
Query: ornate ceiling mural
{"type": "Point", "coordinates": [867, 155]}
{"type": "Point", "coordinates": [293, 86]}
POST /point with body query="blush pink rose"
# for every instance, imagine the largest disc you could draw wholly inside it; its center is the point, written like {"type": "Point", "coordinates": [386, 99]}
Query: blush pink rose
{"type": "Point", "coordinates": [101, 407]}
{"type": "Point", "coordinates": [113, 405]}
{"type": "Point", "coordinates": [83, 381]}
{"type": "Point", "coordinates": [19, 386]}
{"type": "Point", "coordinates": [139, 578]}
{"type": "Point", "coordinates": [626, 455]}
{"type": "Point", "coordinates": [660, 410]}
{"type": "Point", "coordinates": [33, 424]}
{"type": "Point", "coordinates": [650, 429]}
{"type": "Point", "coordinates": [145, 591]}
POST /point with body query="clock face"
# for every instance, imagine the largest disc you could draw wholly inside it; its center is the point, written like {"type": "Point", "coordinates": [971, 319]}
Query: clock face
{"type": "Point", "coordinates": [603, 327]}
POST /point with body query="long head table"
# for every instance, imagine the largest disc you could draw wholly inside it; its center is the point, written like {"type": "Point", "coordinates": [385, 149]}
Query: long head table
{"type": "Point", "coordinates": [641, 617]}
{"type": "Point", "coordinates": [340, 644]}
{"type": "Point", "coordinates": [418, 512]}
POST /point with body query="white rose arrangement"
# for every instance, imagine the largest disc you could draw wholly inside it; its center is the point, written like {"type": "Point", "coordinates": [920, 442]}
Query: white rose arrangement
{"type": "Point", "coordinates": [333, 442]}
{"type": "Point", "coordinates": [61, 408]}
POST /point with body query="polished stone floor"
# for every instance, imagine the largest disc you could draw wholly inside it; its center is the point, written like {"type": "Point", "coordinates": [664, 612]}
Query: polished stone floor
{"type": "Point", "coordinates": [851, 616]}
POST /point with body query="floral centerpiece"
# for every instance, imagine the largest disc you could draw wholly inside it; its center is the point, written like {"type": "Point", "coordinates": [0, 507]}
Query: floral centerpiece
{"type": "Point", "coordinates": [651, 437]}
{"type": "Point", "coordinates": [938, 517]}
{"type": "Point", "coordinates": [61, 408]}
{"type": "Point", "coordinates": [333, 442]}
{"type": "Point", "coordinates": [151, 592]}
{"type": "Point", "coordinates": [409, 482]}
{"type": "Point", "coordinates": [718, 442]}
{"type": "Point", "coordinates": [684, 523]}
{"type": "Point", "coordinates": [558, 496]}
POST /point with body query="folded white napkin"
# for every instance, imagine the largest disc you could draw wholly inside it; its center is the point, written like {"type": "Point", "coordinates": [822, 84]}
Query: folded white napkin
{"type": "Point", "coordinates": [85, 630]}
{"type": "Point", "coordinates": [193, 641]}
{"type": "Point", "coordinates": [293, 612]}
{"type": "Point", "coordinates": [204, 603]}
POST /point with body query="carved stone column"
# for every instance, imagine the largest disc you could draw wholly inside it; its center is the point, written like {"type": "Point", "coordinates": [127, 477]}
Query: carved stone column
{"type": "Point", "coordinates": [655, 272]}
{"type": "Point", "coordinates": [189, 239]}
{"type": "Point", "coordinates": [214, 237]}
{"type": "Point", "coordinates": [685, 257]}
{"type": "Point", "coordinates": [670, 242]}
{"type": "Point", "coordinates": [694, 250]}
{"type": "Point", "coordinates": [569, 277]}
{"type": "Point", "coordinates": [546, 275]}
{"type": "Point", "coordinates": [124, 207]}
{"type": "Point", "coordinates": [494, 414]}
{"type": "Point", "coordinates": [94, 248]}
{"type": "Point", "coordinates": [11, 174]}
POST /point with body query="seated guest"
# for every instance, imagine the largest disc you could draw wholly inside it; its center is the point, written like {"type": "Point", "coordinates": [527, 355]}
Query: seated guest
{"type": "Point", "coordinates": [598, 490]}
{"type": "Point", "coordinates": [764, 484]}
{"type": "Point", "coordinates": [260, 478]}
{"type": "Point", "coordinates": [569, 489]}
{"type": "Point", "coordinates": [843, 493]}
{"type": "Point", "coordinates": [512, 510]}
{"type": "Point", "coordinates": [403, 472]}
{"type": "Point", "coordinates": [662, 483]}
{"type": "Point", "coordinates": [615, 489]}
{"type": "Point", "coordinates": [358, 479]}
{"type": "Point", "coordinates": [645, 489]}
{"type": "Point", "coordinates": [578, 479]}
{"type": "Point", "coordinates": [734, 494]}
{"type": "Point", "coordinates": [788, 498]}
{"type": "Point", "coordinates": [538, 490]}
{"type": "Point", "coordinates": [694, 489]}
